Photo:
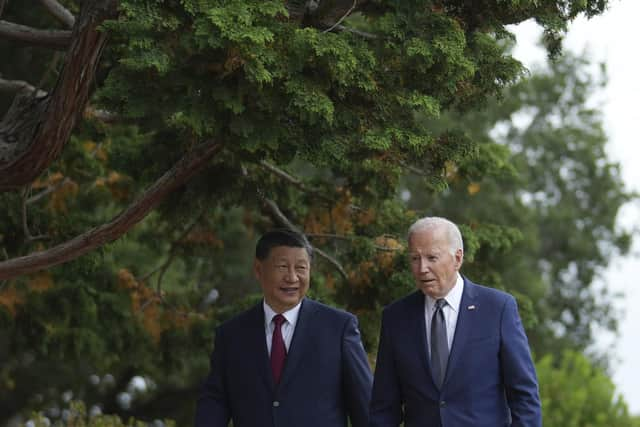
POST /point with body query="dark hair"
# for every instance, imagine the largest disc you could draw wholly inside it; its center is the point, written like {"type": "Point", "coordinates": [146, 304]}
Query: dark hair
{"type": "Point", "coordinates": [281, 237]}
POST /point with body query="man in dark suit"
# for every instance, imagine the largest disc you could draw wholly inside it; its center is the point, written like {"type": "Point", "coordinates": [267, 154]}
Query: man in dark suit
{"type": "Point", "coordinates": [453, 353]}
{"type": "Point", "coordinates": [289, 361]}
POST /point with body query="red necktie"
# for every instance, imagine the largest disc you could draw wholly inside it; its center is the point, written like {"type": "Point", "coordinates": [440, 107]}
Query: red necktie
{"type": "Point", "coordinates": [278, 350]}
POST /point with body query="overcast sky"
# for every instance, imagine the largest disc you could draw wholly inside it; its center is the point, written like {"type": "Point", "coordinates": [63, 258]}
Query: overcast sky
{"type": "Point", "coordinates": [612, 38]}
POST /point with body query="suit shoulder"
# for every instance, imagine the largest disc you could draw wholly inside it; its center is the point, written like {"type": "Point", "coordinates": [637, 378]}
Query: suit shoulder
{"type": "Point", "coordinates": [327, 310]}
{"type": "Point", "coordinates": [241, 319]}
{"type": "Point", "coordinates": [489, 293]}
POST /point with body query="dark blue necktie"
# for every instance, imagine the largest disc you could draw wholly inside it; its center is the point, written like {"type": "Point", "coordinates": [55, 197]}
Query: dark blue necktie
{"type": "Point", "coordinates": [439, 344]}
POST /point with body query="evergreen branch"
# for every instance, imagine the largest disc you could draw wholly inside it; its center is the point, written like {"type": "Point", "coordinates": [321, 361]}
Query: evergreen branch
{"type": "Point", "coordinates": [349, 238]}
{"type": "Point", "coordinates": [415, 170]}
{"type": "Point", "coordinates": [191, 163]}
{"type": "Point", "coordinates": [357, 32]}
{"type": "Point", "coordinates": [294, 181]}
{"type": "Point", "coordinates": [47, 191]}
{"type": "Point", "coordinates": [285, 222]}
{"type": "Point", "coordinates": [54, 39]}
{"type": "Point", "coordinates": [284, 175]}
{"type": "Point", "coordinates": [342, 18]}
{"type": "Point", "coordinates": [59, 12]}
{"type": "Point", "coordinates": [162, 268]}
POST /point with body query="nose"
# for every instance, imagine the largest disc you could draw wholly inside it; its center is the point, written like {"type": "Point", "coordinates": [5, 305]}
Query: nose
{"type": "Point", "coordinates": [424, 265]}
{"type": "Point", "coordinates": [291, 275]}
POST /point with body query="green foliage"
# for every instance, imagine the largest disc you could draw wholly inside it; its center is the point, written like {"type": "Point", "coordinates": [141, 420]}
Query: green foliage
{"type": "Point", "coordinates": [330, 127]}
{"type": "Point", "coordinates": [533, 203]}
{"type": "Point", "coordinates": [78, 417]}
{"type": "Point", "coordinates": [575, 393]}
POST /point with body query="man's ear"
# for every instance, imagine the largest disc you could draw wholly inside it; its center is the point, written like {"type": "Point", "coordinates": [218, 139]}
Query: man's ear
{"type": "Point", "coordinates": [459, 256]}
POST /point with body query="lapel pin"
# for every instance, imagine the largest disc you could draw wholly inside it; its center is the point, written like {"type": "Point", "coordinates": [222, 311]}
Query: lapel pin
{"type": "Point", "coordinates": [471, 307]}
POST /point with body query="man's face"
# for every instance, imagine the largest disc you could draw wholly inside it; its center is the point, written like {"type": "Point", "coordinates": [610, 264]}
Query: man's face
{"type": "Point", "coordinates": [434, 268]}
{"type": "Point", "coordinates": [284, 277]}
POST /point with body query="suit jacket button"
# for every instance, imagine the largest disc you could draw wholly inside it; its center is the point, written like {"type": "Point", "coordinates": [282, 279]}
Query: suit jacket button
{"type": "Point", "coordinates": [276, 403]}
{"type": "Point", "coordinates": [443, 404]}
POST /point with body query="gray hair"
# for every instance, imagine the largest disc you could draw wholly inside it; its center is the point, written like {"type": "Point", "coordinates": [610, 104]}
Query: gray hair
{"type": "Point", "coordinates": [454, 238]}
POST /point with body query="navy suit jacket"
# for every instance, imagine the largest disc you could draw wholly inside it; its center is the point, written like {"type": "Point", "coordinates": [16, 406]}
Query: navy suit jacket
{"type": "Point", "coordinates": [326, 377]}
{"type": "Point", "coordinates": [490, 379]}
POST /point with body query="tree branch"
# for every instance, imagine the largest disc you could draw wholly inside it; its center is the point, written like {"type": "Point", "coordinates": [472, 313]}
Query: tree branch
{"type": "Point", "coordinates": [59, 12]}
{"type": "Point", "coordinates": [47, 191]}
{"type": "Point", "coordinates": [285, 222]}
{"type": "Point", "coordinates": [357, 32]}
{"type": "Point", "coordinates": [54, 39]}
{"type": "Point", "coordinates": [162, 268]}
{"type": "Point", "coordinates": [350, 239]}
{"type": "Point", "coordinates": [34, 131]}
{"type": "Point", "coordinates": [191, 163]}
{"type": "Point", "coordinates": [25, 223]}
{"type": "Point", "coordinates": [342, 18]}
{"type": "Point", "coordinates": [19, 86]}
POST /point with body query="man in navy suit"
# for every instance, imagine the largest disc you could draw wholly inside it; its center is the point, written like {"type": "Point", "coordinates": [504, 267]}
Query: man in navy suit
{"type": "Point", "coordinates": [289, 361]}
{"type": "Point", "coordinates": [453, 353]}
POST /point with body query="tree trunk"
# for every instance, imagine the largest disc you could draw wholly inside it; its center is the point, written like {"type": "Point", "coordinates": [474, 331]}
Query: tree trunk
{"type": "Point", "coordinates": [35, 129]}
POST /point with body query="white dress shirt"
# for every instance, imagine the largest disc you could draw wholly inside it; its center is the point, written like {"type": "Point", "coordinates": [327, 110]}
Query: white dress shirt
{"type": "Point", "coordinates": [450, 311]}
{"type": "Point", "coordinates": [287, 328]}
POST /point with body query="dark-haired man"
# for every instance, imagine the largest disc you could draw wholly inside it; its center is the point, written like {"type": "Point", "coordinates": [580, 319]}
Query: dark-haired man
{"type": "Point", "coordinates": [289, 361]}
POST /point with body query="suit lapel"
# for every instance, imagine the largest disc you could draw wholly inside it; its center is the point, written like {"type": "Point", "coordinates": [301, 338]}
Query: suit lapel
{"type": "Point", "coordinates": [300, 340]}
{"type": "Point", "coordinates": [417, 318]}
{"type": "Point", "coordinates": [466, 318]}
{"type": "Point", "coordinates": [257, 341]}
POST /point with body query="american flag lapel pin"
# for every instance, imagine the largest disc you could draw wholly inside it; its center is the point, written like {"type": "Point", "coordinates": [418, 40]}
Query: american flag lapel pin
{"type": "Point", "coordinates": [471, 307]}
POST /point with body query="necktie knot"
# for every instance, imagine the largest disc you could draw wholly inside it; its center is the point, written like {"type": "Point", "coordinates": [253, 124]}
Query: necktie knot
{"type": "Point", "coordinates": [441, 303]}
{"type": "Point", "coordinates": [278, 320]}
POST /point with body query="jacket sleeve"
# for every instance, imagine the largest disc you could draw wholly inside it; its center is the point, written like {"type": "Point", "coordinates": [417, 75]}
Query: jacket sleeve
{"type": "Point", "coordinates": [518, 371]}
{"type": "Point", "coordinates": [212, 409]}
{"type": "Point", "coordinates": [386, 405]}
{"type": "Point", "coordinates": [357, 378]}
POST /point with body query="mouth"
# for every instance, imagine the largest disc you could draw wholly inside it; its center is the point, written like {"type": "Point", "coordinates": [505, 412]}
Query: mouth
{"type": "Point", "coordinates": [428, 282]}
{"type": "Point", "coordinates": [289, 290]}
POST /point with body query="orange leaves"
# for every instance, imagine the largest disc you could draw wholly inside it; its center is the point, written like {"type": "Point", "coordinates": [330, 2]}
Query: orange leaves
{"type": "Point", "coordinates": [117, 184]}
{"type": "Point", "coordinates": [96, 150]}
{"type": "Point", "coordinates": [203, 237]}
{"type": "Point", "coordinates": [40, 282]}
{"type": "Point", "coordinates": [336, 220]}
{"type": "Point", "coordinates": [473, 188]}
{"type": "Point", "coordinates": [11, 296]}
{"type": "Point", "coordinates": [387, 247]}
{"type": "Point", "coordinates": [148, 306]}
{"type": "Point", "coordinates": [63, 188]}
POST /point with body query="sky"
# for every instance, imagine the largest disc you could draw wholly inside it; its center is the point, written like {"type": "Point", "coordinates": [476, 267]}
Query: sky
{"type": "Point", "coordinates": [612, 38]}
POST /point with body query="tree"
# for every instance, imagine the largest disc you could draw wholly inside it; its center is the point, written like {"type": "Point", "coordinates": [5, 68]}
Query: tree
{"type": "Point", "coordinates": [576, 393]}
{"type": "Point", "coordinates": [559, 193]}
{"type": "Point", "coordinates": [238, 116]}
{"type": "Point", "coordinates": [245, 71]}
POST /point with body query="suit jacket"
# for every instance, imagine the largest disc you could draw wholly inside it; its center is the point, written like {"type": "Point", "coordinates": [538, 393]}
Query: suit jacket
{"type": "Point", "coordinates": [490, 379]}
{"type": "Point", "coordinates": [325, 379]}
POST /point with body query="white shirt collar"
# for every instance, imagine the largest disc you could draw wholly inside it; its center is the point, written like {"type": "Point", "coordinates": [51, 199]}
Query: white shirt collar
{"type": "Point", "coordinates": [291, 315]}
{"type": "Point", "coordinates": [453, 298]}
